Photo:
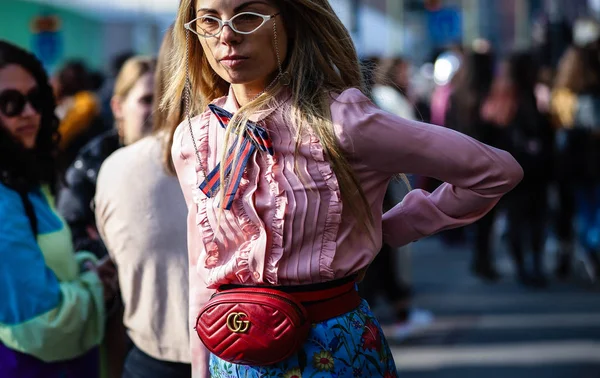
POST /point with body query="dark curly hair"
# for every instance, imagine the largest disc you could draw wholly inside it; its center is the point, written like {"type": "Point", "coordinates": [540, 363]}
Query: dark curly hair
{"type": "Point", "coordinates": [73, 78]}
{"type": "Point", "coordinates": [21, 168]}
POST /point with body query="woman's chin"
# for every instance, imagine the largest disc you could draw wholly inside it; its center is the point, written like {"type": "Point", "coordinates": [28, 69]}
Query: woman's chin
{"type": "Point", "coordinates": [242, 77]}
{"type": "Point", "coordinates": [29, 144]}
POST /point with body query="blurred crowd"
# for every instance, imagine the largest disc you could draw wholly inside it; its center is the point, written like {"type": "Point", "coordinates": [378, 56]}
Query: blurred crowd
{"type": "Point", "coordinates": [547, 116]}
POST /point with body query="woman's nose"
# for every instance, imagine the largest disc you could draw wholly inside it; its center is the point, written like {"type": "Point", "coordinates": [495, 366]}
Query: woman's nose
{"type": "Point", "coordinates": [228, 36]}
{"type": "Point", "coordinates": [29, 110]}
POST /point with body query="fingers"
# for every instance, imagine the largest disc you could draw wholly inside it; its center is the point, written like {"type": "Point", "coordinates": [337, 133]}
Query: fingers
{"type": "Point", "coordinates": [107, 272]}
{"type": "Point", "coordinates": [89, 265]}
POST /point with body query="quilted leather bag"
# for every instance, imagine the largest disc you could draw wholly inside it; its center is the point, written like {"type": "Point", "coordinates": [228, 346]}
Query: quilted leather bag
{"type": "Point", "coordinates": [253, 326]}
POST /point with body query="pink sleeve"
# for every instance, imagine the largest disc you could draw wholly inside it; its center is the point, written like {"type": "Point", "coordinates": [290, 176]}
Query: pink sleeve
{"type": "Point", "coordinates": [476, 175]}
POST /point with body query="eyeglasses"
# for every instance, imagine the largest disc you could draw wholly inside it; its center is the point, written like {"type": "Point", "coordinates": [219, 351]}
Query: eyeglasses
{"type": "Point", "coordinates": [13, 102]}
{"type": "Point", "coordinates": [242, 23]}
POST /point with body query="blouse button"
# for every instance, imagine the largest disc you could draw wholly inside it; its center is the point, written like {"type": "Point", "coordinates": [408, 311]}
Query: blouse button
{"type": "Point", "coordinates": [256, 275]}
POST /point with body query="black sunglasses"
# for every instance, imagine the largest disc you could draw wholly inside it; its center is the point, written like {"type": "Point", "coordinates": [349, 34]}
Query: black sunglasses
{"type": "Point", "coordinates": [12, 102]}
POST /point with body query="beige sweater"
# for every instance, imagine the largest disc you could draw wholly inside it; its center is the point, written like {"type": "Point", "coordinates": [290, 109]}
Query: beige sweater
{"type": "Point", "coordinates": [141, 216]}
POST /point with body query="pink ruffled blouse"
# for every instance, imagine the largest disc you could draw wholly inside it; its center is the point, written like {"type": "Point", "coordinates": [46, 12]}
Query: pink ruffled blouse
{"type": "Point", "coordinates": [287, 229]}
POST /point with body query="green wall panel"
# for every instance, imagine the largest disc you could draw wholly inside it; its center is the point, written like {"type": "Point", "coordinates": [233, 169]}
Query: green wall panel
{"type": "Point", "coordinates": [79, 36]}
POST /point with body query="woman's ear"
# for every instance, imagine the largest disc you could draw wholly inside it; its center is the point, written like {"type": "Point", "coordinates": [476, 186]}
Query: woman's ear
{"type": "Point", "coordinates": [116, 107]}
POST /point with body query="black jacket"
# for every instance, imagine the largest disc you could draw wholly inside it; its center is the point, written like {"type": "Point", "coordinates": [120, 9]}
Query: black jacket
{"type": "Point", "coordinates": [75, 197]}
{"type": "Point", "coordinates": [530, 139]}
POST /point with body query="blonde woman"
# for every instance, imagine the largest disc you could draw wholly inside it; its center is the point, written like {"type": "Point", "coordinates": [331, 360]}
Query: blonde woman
{"type": "Point", "coordinates": [283, 228]}
{"type": "Point", "coordinates": [132, 109]}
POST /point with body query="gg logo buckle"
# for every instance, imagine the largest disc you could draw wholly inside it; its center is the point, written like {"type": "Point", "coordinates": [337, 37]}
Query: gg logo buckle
{"type": "Point", "coordinates": [236, 324]}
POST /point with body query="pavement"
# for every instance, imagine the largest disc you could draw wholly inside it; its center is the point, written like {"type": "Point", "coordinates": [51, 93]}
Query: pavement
{"type": "Point", "coordinates": [466, 328]}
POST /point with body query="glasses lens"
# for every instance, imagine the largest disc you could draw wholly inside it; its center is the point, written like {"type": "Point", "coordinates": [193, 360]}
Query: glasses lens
{"type": "Point", "coordinates": [207, 25]}
{"type": "Point", "coordinates": [12, 103]}
{"type": "Point", "coordinates": [35, 99]}
{"type": "Point", "coordinates": [247, 22]}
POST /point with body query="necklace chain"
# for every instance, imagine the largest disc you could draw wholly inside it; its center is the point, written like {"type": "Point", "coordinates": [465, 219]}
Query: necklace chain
{"type": "Point", "coordinates": [280, 75]}
{"type": "Point", "coordinates": [187, 95]}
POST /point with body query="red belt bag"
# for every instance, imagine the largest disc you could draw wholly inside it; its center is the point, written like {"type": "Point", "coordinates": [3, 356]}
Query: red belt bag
{"type": "Point", "coordinates": [262, 326]}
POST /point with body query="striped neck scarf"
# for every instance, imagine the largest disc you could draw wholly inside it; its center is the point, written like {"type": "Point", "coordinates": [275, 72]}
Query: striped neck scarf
{"type": "Point", "coordinates": [255, 137]}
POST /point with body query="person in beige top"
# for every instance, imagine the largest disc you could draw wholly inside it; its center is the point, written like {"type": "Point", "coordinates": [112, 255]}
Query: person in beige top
{"type": "Point", "coordinates": [141, 216]}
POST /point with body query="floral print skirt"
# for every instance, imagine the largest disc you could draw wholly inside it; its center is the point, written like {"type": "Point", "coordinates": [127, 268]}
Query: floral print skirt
{"type": "Point", "coordinates": [351, 345]}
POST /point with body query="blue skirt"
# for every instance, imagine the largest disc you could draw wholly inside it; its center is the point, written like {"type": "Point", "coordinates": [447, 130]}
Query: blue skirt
{"type": "Point", "coordinates": [351, 345]}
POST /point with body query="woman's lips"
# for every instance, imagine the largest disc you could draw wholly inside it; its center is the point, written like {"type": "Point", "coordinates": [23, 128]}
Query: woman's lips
{"type": "Point", "coordinates": [27, 130]}
{"type": "Point", "coordinates": [233, 61]}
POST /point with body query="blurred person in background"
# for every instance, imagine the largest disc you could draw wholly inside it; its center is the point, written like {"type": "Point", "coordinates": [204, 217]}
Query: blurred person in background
{"type": "Point", "coordinates": [132, 109]}
{"type": "Point", "coordinates": [551, 35]}
{"type": "Point", "coordinates": [576, 109]}
{"type": "Point", "coordinates": [586, 34]}
{"type": "Point", "coordinates": [389, 274]}
{"type": "Point", "coordinates": [518, 126]}
{"type": "Point", "coordinates": [78, 110]}
{"type": "Point", "coordinates": [105, 93]}
{"type": "Point", "coordinates": [446, 65]}
{"type": "Point", "coordinates": [471, 85]}
{"type": "Point", "coordinates": [97, 80]}
{"type": "Point", "coordinates": [141, 216]}
{"type": "Point", "coordinates": [389, 92]}
{"type": "Point", "coordinates": [540, 50]}
{"type": "Point", "coordinates": [52, 310]}
{"type": "Point", "coordinates": [391, 89]}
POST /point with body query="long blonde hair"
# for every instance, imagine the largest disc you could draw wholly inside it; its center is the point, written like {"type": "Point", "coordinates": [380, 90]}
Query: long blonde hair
{"type": "Point", "coordinates": [165, 119]}
{"type": "Point", "coordinates": [578, 70]}
{"type": "Point", "coordinates": [321, 60]}
{"type": "Point", "coordinates": [133, 70]}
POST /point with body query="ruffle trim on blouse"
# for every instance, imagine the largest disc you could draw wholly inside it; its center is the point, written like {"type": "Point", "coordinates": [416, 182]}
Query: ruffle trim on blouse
{"type": "Point", "coordinates": [238, 267]}
{"type": "Point", "coordinates": [334, 210]}
{"type": "Point", "coordinates": [208, 237]}
{"type": "Point", "coordinates": [281, 201]}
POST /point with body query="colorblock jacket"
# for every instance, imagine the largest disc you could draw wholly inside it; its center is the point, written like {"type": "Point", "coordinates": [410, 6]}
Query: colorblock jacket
{"type": "Point", "coordinates": [51, 310]}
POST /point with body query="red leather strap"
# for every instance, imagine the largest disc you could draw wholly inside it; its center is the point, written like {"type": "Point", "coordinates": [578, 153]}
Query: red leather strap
{"type": "Point", "coordinates": [321, 295]}
{"type": "Point", "coordinates": [333, 307]}
{"type": "Point", "coordinates": [329, 303]}
{"type": "Point", "coordinates": [321, 304]}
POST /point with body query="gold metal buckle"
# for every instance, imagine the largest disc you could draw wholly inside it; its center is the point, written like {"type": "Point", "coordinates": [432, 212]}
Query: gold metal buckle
{"type": "Point", "coordinates": [236, 324]}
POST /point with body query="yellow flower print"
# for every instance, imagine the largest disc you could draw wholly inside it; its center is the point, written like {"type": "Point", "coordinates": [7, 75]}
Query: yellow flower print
{"type": "Point", "coordinates": [294, 373]}
{"type": "Point", "coordinates": [323, 361]}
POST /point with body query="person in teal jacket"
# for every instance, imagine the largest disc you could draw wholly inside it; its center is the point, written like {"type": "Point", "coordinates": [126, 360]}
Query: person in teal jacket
{"type": "Point", "coordinates": [52, 298]}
